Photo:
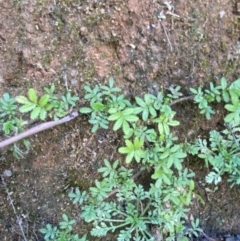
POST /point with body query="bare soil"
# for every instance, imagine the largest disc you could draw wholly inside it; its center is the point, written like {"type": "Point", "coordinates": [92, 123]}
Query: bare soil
{"type": "Point", "coordinates": [72, 43]}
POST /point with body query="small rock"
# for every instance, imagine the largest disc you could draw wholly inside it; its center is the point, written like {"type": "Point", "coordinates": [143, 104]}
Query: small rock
{"type": "Point", "coordinates": [231, 238]}
{"type": "Point", "coordinates": [73, 73]}
{"type": "Point", "coordinates": [74, 81]}
{"type": "Point", "coordinates": [7, 173]}
{"type": "Point", "coordinates": [222, 13]}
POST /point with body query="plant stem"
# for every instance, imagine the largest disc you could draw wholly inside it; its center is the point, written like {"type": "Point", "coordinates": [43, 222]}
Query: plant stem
{"type": "Point", "coordinates": [146, 208]}
{"type": "Point", "coordinates": [120, 225]}
{"type": "Point", "coordinates": [112, 220]}
{"type": "Point", "coordinates": [191, 97]}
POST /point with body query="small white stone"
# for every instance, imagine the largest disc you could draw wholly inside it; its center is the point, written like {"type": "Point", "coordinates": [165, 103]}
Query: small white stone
{"type": "Point", "coordinates": [7, 173]}
{"type": "Point", "coordinates": [73, 81]}
{"type": "Point", "coordinates": [222, 13]}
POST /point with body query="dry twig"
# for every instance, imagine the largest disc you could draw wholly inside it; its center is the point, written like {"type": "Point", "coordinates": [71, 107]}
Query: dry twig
{"type": "Point", "coordinates": [19, 220]}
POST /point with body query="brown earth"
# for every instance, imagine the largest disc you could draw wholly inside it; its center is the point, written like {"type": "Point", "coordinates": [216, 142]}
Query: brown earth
{"type": "Point", "coordinates": [72, 43]}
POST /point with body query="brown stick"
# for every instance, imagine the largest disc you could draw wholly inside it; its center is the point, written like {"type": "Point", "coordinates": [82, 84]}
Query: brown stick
{"type": "Point", "coordinates": [191, 97]}
{"type": "Point", "coordinates": [36, 129]}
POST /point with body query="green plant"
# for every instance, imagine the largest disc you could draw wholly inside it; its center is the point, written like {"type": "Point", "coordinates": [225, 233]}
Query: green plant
{"type": "Point", "coordinates": [8, 119]}
{"type": "Point", "coordinates": [7, 106]}
{"type": "Point", "coordinates": [222, 150]}
{"type": "Point", "coordinates": [62, 234]}
{"type": "Point", "coordinates": [133, 209]}
{"type": "Point", "coordinates": [122, 118]}
{"type": "Point", "coordinates": [118, 202]}
{"type": "Point", "coordinates": [11, 123]}
{"type": "Point", "coordinates": [146, 106]}
{"type": "Point", "coordinates": [103, 101]}
{"type": "Point", "coordinates": [38, 108]}
{"type": "Point", "coordinates": [215, 93]}
{"type": "Point", "coordinates": [133, 150]}
{"type": "Point", "coordinates": [48, 104]}
{"type": "Point", "coordinates": [60, 107]}
{"type": "Point", "coordinates": [193, 230]}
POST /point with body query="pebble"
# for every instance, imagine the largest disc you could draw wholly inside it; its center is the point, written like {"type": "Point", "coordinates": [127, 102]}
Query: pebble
{"type": "Point", "coordinates": [7, 173]}
{"type": "Point", "coordinates": [230, 239]}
